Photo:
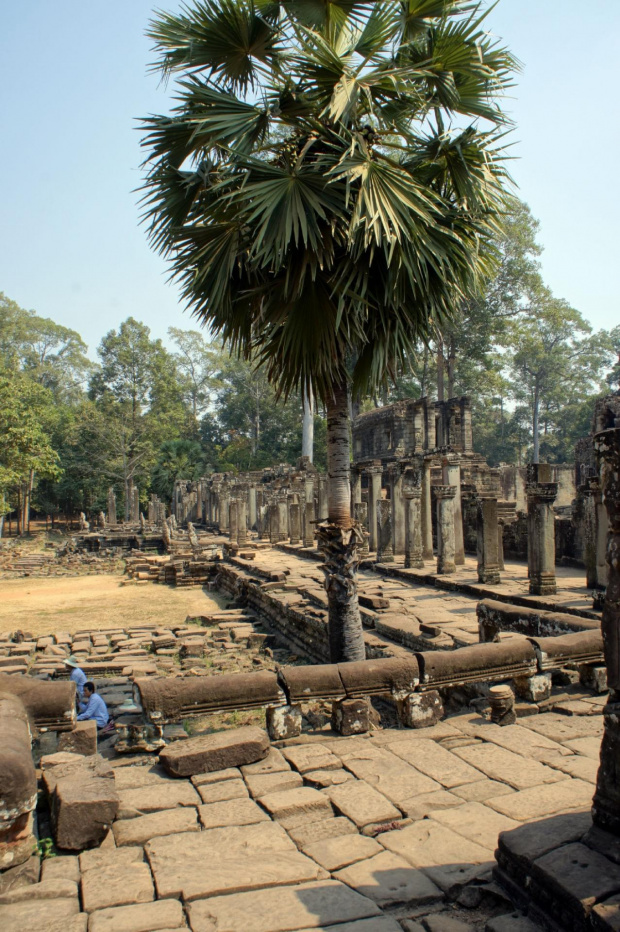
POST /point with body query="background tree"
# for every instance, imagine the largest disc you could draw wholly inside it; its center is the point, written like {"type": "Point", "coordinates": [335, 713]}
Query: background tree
{"type": "Point", "coordinates": [196, 362]}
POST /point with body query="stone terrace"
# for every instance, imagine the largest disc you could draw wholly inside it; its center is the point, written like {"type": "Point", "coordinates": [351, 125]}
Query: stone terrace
{"type": "Point", "coordinates": [392, 832]}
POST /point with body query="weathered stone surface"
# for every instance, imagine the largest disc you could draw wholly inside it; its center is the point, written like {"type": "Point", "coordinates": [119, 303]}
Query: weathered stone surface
{"type": "Point", "coordinates": [61, 868]}
{"type": "Point", "coordinates": [45, 890]}
{"type": "Point", "coordinates": [540, 801]}
{"type": "Point", "coordinates": [143, 917]}
{"type": "Point", "coordinates": [335, 853]}
{"type": "Point", "coordinates": [274, 762]}
{"type": "Point", "coordinates": [292, 808]}
{"type": "Point", "coordinates": [525, 844]}
{"type": "Point", "coordinates": [57, 915]}
{"type": "Point", "coordinates": [168, 822]}
{"type": "Point", "coordinates": [239, 857]}
{"type": "Point", "coordinates": [564, 727]}
{"type": "Point", "coordinates": [101, 859]}
{"type": "Point", "coordinates": [499, 764]}
{"type": "Point", "coordinates": [116, 884]}
{"type": "Point", "coordinates": [81, 740]}
{"type": "Point", "coordinates": [318, 831]}
{"type": "Point", "coordinates": [218, 776]}
{"type": "Point", "coordinates": [481, 790]}
{"type": "Point", "coordinates": [218, 751]}
{"type": "Point", "coordinates": [305, 757]}
{"type": "Point", "coordinates": [155, 797]}
{"type": "Point", "coordinates": [449, 859]}
{"type": "Point", "coordinates": [281, 909]}
{"type": "Point", "coordinates": [396, 780]}
{"type": "Point", "coordinates": [378, 924]}
{"type": "Point", "coordinates": [22, 874]}
{"type": "Point", "coordinates": [361, 803]}
{"type": "Point", "coordinates": [421, 710]}
{"type": "Point", "coordinates": [475, 822]}
{"type": "Point", "coordinates": [605, 917]}
{"type": "Point", "coordinates": [434, 761]}
{"type": "Point", "coordinates": [512, 922]}
{"type": "Point", "coordinates": [443, 922]}
{"type": "Point", "coordinates": [129, 778]}
{"type": "Point", "coordinates": [260, 784]}
{"type": "Point", "coordinates": [322, 778]}
{"type": "Point", "coordinates": [231, 812]}
{"type": "Point", "coordinates": [226, 789]}
{"type": "Point", "coordinates": [388, 879]}
{"type": "Point", "coordinates": [418, 807]}
{"type": "Point", "coordinates": [283, 722]}
{"type": "Point", "coordinates": [351, 716]}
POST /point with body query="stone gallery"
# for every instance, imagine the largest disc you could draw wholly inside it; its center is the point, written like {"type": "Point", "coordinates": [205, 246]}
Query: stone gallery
{"type": "Point", "coordinates": [449, 782]}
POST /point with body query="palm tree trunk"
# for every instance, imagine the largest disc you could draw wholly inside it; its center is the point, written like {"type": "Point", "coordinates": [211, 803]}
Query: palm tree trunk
{"type": "Point", "coordinates": [440, 370]}
{"type": "Point", "coordinates": [339, 536]}
{"type": "Point", "coordinates": [307, 430]}
{"type": "Point", "coordinates": [535, 425]}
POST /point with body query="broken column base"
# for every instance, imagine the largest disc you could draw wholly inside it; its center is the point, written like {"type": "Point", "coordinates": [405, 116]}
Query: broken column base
{"type": "Point", "coordinates": [502, 705]}
{"type": "Point", "coordinates": [563, 872]}
{"type": "Point", "coordinates": [351, 716]}
{"type": "Point", "coordinates": [534, 688]}
{"type": "Point", "coordinates": [543, 584]}
{"type": "Point", "coordinates": [489, 574]}
{"type": "Point", "coordinates": [17, 843]}
{"type": "Point", "coordinates": [133, 738]}
{"type": "Point", "coordinates": [593, 677]}
{"type": "Point", "coordinates": [420, 710]}
{"type": "Point", "coordinates": [283, 722]}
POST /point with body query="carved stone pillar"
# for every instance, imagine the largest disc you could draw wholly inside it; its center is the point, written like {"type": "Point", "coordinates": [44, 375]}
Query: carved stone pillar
{"type": "Point", "coordinates": [506, 515]}
{"type": "Point", "coordinates": [111, 506]}
{"type": "Point", "coordinates": [601, 528]}
{"type": "Point", "coordinates": [398, 507]}
{"type": "Point", "coordinates": [295, 522]}
{"type": "Point", "coordinates": [274, 523]}
{"type": "Point", "coordinates": [223, 508]}
{"type": "Point", "coordinates": [252, 507]}
{"type": "Point", "coordinates": [445, 528]}
{"type": "Point", "coordinates": [541, 493]}
{"type": "Point", "coordinates": [488, 558]}
{"type": "Point", "coordinates": [385, 553]}
{"type": "Point", "coordinates": [606, 803]}
{"type": "Point", "coordinates": [413, 528]}
{"type": "Point", "coordinates": [360, 513]}
{"type": "Point", "coordinates": [374, 473]}
{"type": "Point", "coordinates": [452, 476]}
{"type": "Point", "coordinates": [309, 524]}
{"type": "Point", "coordinates": [242, 521]}
{"type": "Point", "coordinates": [232, 520]}
{"type": "Point", "coordinates": [427, 512]}
{"type": "Point", "coordinates": [282, 519]}
{"type": "Point", "coordinates": [323, 500]}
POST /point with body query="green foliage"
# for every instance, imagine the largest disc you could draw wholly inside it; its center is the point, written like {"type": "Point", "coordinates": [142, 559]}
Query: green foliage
{"type": "Point", "coordinates": [45, 849]}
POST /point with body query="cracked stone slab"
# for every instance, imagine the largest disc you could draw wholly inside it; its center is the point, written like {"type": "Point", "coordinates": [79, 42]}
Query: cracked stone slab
{"type": "Point", "coordinates": [362, 804]}
{"type": "Point", "coordinates": [389, 880]}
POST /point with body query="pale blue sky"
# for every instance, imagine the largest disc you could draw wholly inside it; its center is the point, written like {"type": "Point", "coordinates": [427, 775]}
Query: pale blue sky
{"type": "Point", "coordinates": [73, 76]}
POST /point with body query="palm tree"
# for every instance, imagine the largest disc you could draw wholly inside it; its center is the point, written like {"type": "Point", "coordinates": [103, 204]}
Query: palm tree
{"type": "Point", "coordinates": [325, 198]}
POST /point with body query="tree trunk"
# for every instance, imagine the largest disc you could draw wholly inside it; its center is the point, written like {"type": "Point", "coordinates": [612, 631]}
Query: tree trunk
{"type": "Point", "coordinates": [451, 369]}
{"type": "Point", "coordinates": [307, 431]}
{"type": "Point", "coordinates": [535, 426]}
{"type": "Point", "coordinates": [339, 537]}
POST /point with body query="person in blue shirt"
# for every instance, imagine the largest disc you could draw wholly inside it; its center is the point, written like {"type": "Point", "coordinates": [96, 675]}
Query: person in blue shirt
{"type": "Point", "coordinates": [93, 707]}
{"type": "Point", "coordinates": [77, 675]}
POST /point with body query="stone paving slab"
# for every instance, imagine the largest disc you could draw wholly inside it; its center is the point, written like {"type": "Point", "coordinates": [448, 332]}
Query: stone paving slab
{"type": "Point", "coordinates": [362, 804]}
{"type": "Point", "coordinates": [476, 822]}
{"type": "Point", "coordinates": [434, 761]}
{"type": "Point", "coordinates": [229, 859]}
{"type": "Point", "coordinates": [118, 884]}
{"type": "Point", "coordinates": [499, 764]}
{"type": "Point", "coordinates": [168, 822]}
{"type": "Point", "coordinates": [336, 853]}
{"type": "Point", "coordinates": [145, 917]}
{"type": "Point", "coordinates": [281, 909]}
{"type": "Point", "coordinates": [231, 812]}
{"type": "Point", "coordinates": [155, 797]}
{"type": "Point", "coordinates": [389, 880]}
{"type": "Point", "coordinates": [540, 801]}
{"type": "Point", "coordinates": [221, 791]}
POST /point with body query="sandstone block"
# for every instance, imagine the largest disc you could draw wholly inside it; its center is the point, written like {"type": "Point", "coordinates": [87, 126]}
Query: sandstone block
{"type": "Point", "coordinates": [81, 740]}
{"type": "Point", "coordinates": [102, 858]}
{"type": "Point", "coordinates": [239, 857]}
{"type": "Point", "coordinates": [218, 776]}
{"type": "Point", "coordinates": [421, 710]}
{"type": "Point", "coordinates": [143, 917]}
{"type": "Point", "coordinates": [116, 884]}
{"type": "Point", "coordinates": [336, 853]}
{"type": "Point", "coordinates": [318, 831]}
{"type": "Point", "coordinates": [57, 915]}
{"type": "Point", "coordinates": [361, 803]}
{"type": "Point", "coordinates": [295, 807]}
{"type": "Point", "coordinates": [283, 722]}
{"type": "Point", "coordinates": [218, 751]}
{"type": "Point", "coordinates": [305, 757]}
{"type": "Point", "coordinates": [351, 716]}
{"type": "Point", "coordinates": [45, 890]}
{"type": "Point", "coordinates": [280, 909]}
{"type": "Point", "coordinates": [167, 822]}
{"type": "Point", "coordinates": [155, 797]}
{"type": "Point", "coordinates": [83, 803]}
{"type": "Point", "coordinates": [225, 789]}
{"type": "Point", "coordinates": [536, 802]}
{"type": "Point", "coordinates": [388, 879]}
{"type": "Point", "coordinates": [260, 784]}
{"type": "Point", "coordinates": [231, 812]}
{"type": "Point", "coordinates": [274, 762]}
{"type": "Point", "coordinates": [61, 868]}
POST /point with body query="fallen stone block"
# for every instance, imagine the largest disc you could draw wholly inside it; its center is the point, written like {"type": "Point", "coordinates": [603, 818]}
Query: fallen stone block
{"type": "Point", "coordinates": [218, 751]}
{"type": "Point", "coordinates": [284, 722]}
{"type": "Point", "coordinates": [18, 784]}
{"type": "Point", "coordinates": [81, 740]}
{"type": "Point", "coordinates": [351, 716]}
{"type": "Point", "coordinates": [83, 802]}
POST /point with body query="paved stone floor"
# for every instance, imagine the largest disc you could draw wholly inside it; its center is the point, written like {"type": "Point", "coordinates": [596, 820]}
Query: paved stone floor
{"type": "Point", "coordinates": [390, 832]}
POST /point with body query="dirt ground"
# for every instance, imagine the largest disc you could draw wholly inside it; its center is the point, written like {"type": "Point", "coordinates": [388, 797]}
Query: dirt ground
{"type": "Point", "coordinates": [45, 605]}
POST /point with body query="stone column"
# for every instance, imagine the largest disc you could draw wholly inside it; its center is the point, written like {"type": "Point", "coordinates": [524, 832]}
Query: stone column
{"type": "Point", "coordinates": [233, 517]}
{"type": "Point", "coordinates": [242, 521]}
{"type": "Point", "coordinates": [282, 519]}
{"type": "Point", "coordinates": [223, 508]}
{"type": "Point", "coordinates": [135, 505]}
{"type": "Point", "coordinates": [541, 493]}
{"type": "Point", "coordinates": [274, 523]}
{"type": "Point", "coordinates": [601, 529]}
{"type": "Point", "coordinates": [452, 476]}
{"type": "Point", "coordinates": [111, 506]}
{"type": "Point", "coordinates": [252, 507]}
{"type": "Point", "coordinates": [398, 508]}
{"type": "Point", "coordinates": [606, 803]}
{"type": "Point", "coordinates": [506, 515]}
{"type": "Point", "coordinates": [427, 512]}
{"type": "Point", "coordinates": [295, 522]}
{"type": "Point", "coordinates": [488, 560]}
{"type": "Point", "coordinates": [323, 502]}
{"type": "Point", "coordinates": [309, 524]}
{"type": "Point", "coordinates": [413, 528]}
{"type": "Point", "coordinates": [374, 493]}
{"type": "Point", "coordinates": [385, 553]}
{"type": "Point", "coordinates": [361, 516]}
{"type": "Point", "coordinates": [445, 528]}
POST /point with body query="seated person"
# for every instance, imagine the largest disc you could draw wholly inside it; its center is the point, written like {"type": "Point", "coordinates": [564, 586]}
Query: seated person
{"type": "Point", "coordinates": [77, 676]}
{"type": "Point", "coordinates": [93, 707]}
